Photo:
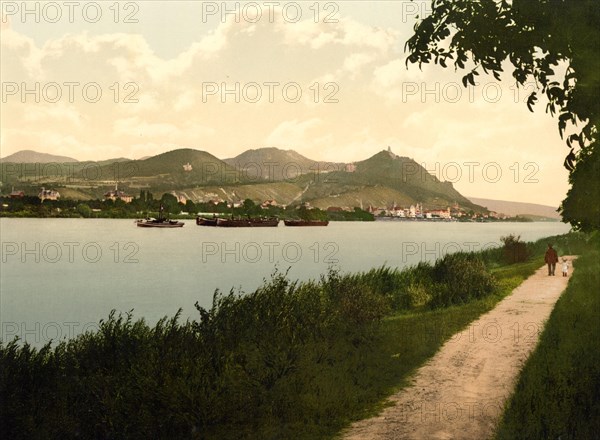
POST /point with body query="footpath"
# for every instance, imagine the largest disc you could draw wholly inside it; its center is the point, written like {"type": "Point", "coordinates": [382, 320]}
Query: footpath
{"type": "Point", "coordinates": [460, 392]}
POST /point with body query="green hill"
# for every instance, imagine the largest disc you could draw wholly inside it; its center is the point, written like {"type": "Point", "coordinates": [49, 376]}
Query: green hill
{"type": "Point", "coordinates": [271, 164]}
{"type": "Point", "coordinates": [379, 181]}
{"type": "Point", "coordinates": [174, 169]}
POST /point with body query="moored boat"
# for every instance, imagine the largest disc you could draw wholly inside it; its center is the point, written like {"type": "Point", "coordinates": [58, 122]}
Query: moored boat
{"type": "Point", "coordinates": [203, 221]}
{"type": "Point", "coordinates": [265, 222]}
{"type": "Point", "coordinates": [306, 222]}
{"type": "Point", "coordinates": [247, 222]}
{"type": "Point", "coordinates": [160, 222]}
{"type": "Point", "coordinates": [233, 223]}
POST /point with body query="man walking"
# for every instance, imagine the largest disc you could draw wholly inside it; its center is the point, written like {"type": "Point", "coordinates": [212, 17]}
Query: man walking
{"type": "Point", "coordinates": [551, 258]}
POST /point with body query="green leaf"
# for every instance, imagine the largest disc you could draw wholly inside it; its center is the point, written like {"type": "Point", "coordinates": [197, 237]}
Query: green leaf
{"type": "Point", "coordinates": [531, 101]}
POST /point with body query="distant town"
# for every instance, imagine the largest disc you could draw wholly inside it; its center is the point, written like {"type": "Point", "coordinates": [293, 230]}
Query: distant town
{"type": "Point", "coordinates": [190, 182]}
{"type": "Point", "coordinates": [119, 204]}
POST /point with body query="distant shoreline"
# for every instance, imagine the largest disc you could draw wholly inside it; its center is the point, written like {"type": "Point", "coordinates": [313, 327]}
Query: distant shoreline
{"type": "Point", "coordinates": [377, 219]}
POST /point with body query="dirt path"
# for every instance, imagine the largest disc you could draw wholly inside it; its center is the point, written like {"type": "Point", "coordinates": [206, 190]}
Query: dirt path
{"type": "Point", "coordinates": [460, 392]}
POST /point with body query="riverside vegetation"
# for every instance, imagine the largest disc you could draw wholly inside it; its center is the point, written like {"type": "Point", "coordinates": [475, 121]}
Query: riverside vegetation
{"type": "Point", "coordinates": [147, 205]}
{"type": "Point", "coordinates": [289, 360]}
{"type": "Point", "coordinates": [558, 393]}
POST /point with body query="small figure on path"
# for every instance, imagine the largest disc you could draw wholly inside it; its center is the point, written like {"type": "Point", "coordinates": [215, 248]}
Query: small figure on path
{"type": "Point", "coordinates": [565, 267]}
{"type": "Point", "coordinates": [551, 258]}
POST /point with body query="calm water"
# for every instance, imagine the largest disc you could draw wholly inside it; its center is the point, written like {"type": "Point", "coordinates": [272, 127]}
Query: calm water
{"type": "Point", "coordinates": [60, 276]}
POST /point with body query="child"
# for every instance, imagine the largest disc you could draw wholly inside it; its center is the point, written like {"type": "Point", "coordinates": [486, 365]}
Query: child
{"type": "Point", "coordinates": [565, 267]}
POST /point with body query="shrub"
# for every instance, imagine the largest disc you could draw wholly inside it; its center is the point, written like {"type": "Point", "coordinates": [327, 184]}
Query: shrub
{"type": "Point", "coordinates": [459, 278]}
{"type": "Point", "coordinates": [415, 287]}
{"type": "Point", "coordinates": [515, 250]}
{"type": "Point", "coordinates": [354, 300]}
{"type": "Point", "coordinates": [417, 295]}
{"type": "Point", "coordinates": [256, 365]}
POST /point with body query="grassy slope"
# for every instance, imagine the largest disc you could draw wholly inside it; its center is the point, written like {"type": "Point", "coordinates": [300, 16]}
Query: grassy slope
{"type": "Point", "coordinates": [374, 195]}
{"type": "Point", "coordinates": [558, 392]}
{"type": "Point", "coordinates": [282, 192]}
{"type": "Point", "coordinates": [379, 181]}
{"type": "Point", "coordinates": [371, 372]}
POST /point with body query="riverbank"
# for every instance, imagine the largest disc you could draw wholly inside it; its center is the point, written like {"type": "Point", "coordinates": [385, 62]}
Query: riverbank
{"type": "Point", "coordinates": [297, 360]}
{"type": "Point", "coordinates": [147, 206]}
{"type": "Point", "coordinates": [461, 391]}
{"type": "Point", "coordinates": [32, 207]}
{"type": "Point", "coordinates": [331, 216]}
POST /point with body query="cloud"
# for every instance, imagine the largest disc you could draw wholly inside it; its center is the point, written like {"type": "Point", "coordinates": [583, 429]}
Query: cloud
{"type": "Point", "coordinates": [345, 32]}
{"type": "Point", "coordinates": [59, 113]}
{"type": "Point", "coordinates": [360, 35]}
{"type": "Point", "coordinates": [186, 100]}
{"type": "Point", "coordinates": [20, 56]}
{"type": "Point", "coordinates": [136, 127]}
{"type": "Point", "coordinates": [292, 133]}
{"type": "Point", "coordinates": [356, 61]}
{"type": "Point", "coordinates": [308, 33]}
{"type": "Point", "coordinates": [394, 81]}
{"type": "Point", "coordinates": [379, 102]}
{"type": "Point", "coordinates": [388, 75]}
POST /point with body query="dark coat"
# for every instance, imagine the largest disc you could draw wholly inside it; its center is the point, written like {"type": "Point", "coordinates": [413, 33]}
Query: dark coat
{"type": "Point", "coordinates": [551, 256]}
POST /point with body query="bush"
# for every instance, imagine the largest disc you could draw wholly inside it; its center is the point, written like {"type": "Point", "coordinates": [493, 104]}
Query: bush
{"type": "Point", "coordinates": [415, 287]}
{"type": "Point", "coordinates": [246, 363]}
{"type": "Point", "coordinates": [258, 365]}
{"type": "Point", "coordinates": [417, 295]}
{"type": "Point", "coordinates": [358, 303]}
{"type": "Point", "coordinates": [515, 250]}
{"type": "Point", "coordinates": [459, 278]}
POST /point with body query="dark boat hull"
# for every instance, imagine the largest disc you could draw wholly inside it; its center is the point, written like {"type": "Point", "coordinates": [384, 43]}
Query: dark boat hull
{"type": "Point", "coordinates": [233, 223]}
{"type": "Point", "coordinates": [247, 223]}
{"type": "Point", "coordinates": [306, 222]}
{"type": "Point", "coordinates": [156, 224]}
{"type": "Point", "coordinates": [202, 221]}
{"type": "Point", "coordinates": [261, 223]}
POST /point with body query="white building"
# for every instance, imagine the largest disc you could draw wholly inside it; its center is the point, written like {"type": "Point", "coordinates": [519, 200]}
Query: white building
{"type": "Point", "coordinates": [48, 194]}
{"type": "Point", "coordinates": [116, 194]}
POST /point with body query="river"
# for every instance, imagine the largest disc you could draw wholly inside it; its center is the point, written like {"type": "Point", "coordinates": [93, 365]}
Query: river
{"type": "Point", "coordinates": [59, 277]}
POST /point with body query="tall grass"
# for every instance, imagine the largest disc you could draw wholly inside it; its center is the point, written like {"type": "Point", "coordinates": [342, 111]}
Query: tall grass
{"type": "Point", "coordinates": [249, 367]}
{"type": "Point", "coordinates": [289, 360]}
{"type": "Point", "coordinates": [454, 279]}
{"type": "Point", "coordinates": [267, 364]}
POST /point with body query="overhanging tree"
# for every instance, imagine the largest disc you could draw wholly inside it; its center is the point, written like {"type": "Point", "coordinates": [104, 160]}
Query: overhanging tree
{"type": "Point", "coordinates": [535, 36]}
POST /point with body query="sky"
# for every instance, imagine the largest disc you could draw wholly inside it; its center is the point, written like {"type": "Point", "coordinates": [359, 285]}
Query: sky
{"type": "Point", "coordinates": [99, 80]}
